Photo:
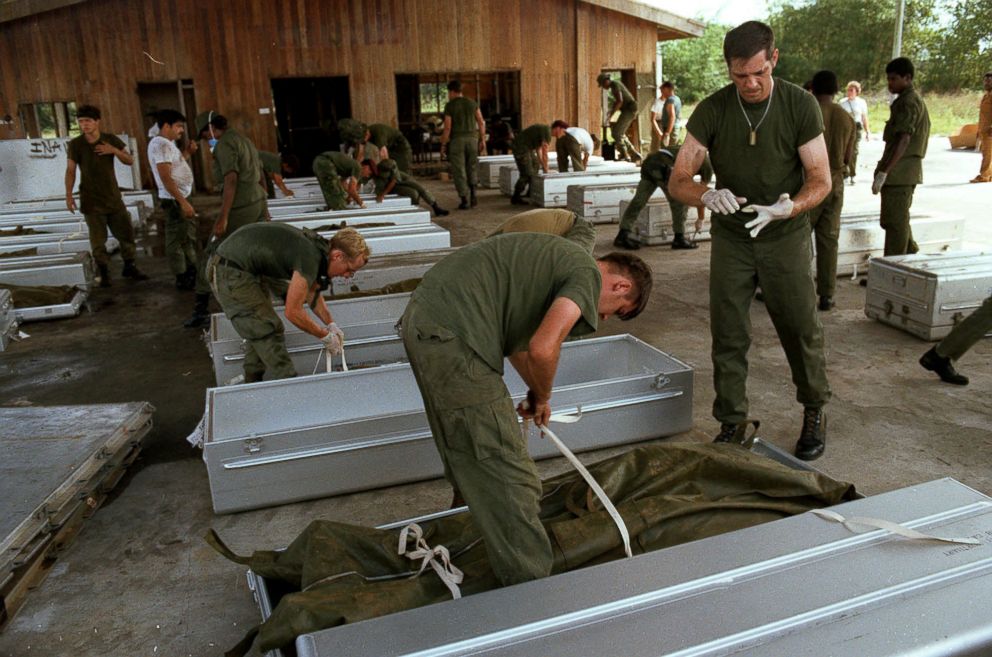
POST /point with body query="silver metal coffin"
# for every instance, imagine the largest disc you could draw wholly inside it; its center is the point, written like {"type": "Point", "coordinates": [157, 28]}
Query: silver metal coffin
{"type": "Point", "coordinates": [600, 203]}
{"type": "Point", "coordinates": [489, 167]}
{"type": "Point", "coordinates": [927, 294]}
{"type": "Point", "coordinates": [280, 207]}
{"type": "Point", "coordinates": [80, 262]}
{"type": "Point", "coordinates": [368, 324]}
{"type": "Point", "coordinates": [403, 239]}
{"type": "Point", "coordinates": [862, 238]}
{"type": "Point", "coordinates": [551, 190]}
{"type": "Point", "coordinates": [389, 269]}
{"type": "Point", "coordinates": [508, 175]}
{"type": "Point", "coordinates": [350, 431]}
{"type": "Point", "coordinates": [797, 586]}
{"type": "Point", "coordinates": [13, 216]}
{"type": "Point", "coordinates": [8, 319]}
{"type": "Point", "coordinates": [409, 216]}
{"type": "Point", "coordinates": [654, 223]}
{"type": "Point", "coordinates": [49, 244]}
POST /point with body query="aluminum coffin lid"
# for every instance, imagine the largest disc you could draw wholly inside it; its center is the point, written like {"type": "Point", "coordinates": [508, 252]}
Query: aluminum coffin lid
{"type": "Point", "coordinates": [337, 433]}
{"type": "Point", "coordinates": [801, 586]}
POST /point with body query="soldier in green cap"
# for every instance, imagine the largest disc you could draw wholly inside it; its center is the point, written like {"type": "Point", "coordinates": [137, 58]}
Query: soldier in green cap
{"type": "Point", "coordinates": [388, 179]}
{"type": "Point", "coordinates": [765, 141]}
{"type": "Point", "coordinates": [354, 134]}
{"type": "Point", "coordinates": [515, 296]}
{"type": "Point", "coordinates": [257, 253]}
{"type": "Point", "coordinates": [552, 221]}
{"type": "Point", "coordinates": [391, 143]}
{"type": "Point", "coordinates": [655, 172]}
{"type": "Point", "coordinates": [337, 174]}
{"type": "Point", "coordinates": [901, 168]}
{"type": "Point", "coordinates": [530, 151]}
{"type": "Point", "coordinates": [624, 103]}
{"type": "Point", "coordinates": [274, 167]}
{"type": "Point", "coordinates": [243, 197]}
{"type": "Point", "coordinates": [464, 139]}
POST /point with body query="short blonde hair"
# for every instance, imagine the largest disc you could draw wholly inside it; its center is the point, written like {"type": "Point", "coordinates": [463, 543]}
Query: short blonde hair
{"type": "Point", "coordinates": [855, 84]}
{"type": "Point", "coordinates": [351, 243]}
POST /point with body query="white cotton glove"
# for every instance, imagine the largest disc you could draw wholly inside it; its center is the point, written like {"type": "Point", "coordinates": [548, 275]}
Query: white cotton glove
{"type": "Point", "coordinates": [722, 201]}
{"type": "Point", "coordinates": [334, 339]}
{"type": "Point", "coordinates": [781, 209]}
{"type": "Point", "coordinates": [876, 185]}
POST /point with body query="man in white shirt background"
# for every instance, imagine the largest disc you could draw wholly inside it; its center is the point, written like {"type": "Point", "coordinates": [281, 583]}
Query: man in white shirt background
{"type": "Point", "coordinates": [857, 108]}
{"type": "Point", "coordinates": [174, 180]}
{"type": "Point", "coordinates": [575, 144]}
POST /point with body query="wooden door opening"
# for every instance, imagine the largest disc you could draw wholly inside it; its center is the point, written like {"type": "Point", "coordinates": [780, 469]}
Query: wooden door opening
{"type": "Point", "coordinates": [307, 115]}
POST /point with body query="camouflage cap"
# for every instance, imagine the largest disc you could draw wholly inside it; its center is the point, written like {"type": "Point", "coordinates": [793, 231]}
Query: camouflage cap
{"type": "Point", "coordinates": [351, 130]}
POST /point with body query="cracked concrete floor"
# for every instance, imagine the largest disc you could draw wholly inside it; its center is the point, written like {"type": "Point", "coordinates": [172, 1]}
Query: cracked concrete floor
{"type": "Point", "coordinates": [139, 579]}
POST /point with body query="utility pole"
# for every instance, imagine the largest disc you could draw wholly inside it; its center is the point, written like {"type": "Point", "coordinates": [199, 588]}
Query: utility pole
{"type": "Point", "coordinates": [897, 42]}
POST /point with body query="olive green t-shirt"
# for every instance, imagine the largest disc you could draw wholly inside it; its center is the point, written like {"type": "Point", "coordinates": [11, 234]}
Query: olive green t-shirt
{"type": "Point", "coordinates": [381, 135]}
{"type": "Point", "coordinates": [838, 132]}
{"type": "Point", "coordinates": [552, 221]}
{"type": "Point", "coordinates": [271, 162]}
{"type": "Point", "coordinates": [336, 163]}
{"type": "Point", "coordinates": [493, 294]}
{"type": "Point", "coordinates": [621, 93]}
{"type": "Point", "coordinates": [531, 137]}
{"type": "Point", "coordinates": [908, 114]}
{"type": "Point", "coordinates": [657, 167]}
{"type": "Point", "coordinates": [235, 152]}
{"type": "Point", "coordinates": [98, 190]}
{"type": "Point", "coordinates": [276, 250]}
{"type": "Point", "coordinates": [771, 167]}
{"type": "Point", "coordinates": [462, 113]}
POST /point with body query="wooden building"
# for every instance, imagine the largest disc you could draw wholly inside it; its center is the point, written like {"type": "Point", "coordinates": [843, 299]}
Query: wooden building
{"type": "Point", "coordinates": [284, 71]}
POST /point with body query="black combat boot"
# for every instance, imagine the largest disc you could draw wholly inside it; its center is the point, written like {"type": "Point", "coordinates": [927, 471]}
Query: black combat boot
{"type": "Point", "coordinates": [190, 277]}
{"type": "Point", "coordinates": [201, 312]}
{"type": "Point", "coordinates": [680, 242]}
{"type": "Point", "coordinates": [438, 210]}
{"type": "Point", "coordinates": [942, 366]}
{"type": "Point", "coordinates": [737, 433]}
{"type": "Point", "coordinates": [473, 201]}
{"type": "Point", "coordinates": [813, 439]}
{"type": "Point", "coordinates": [464, 204]}
{"type": "Point", "coordinates": [517, 200]}
{"type": "Point", "coordinates": [826, 303]}
{"type": "Point", "coordinates": [623, 240]}
{"type": "Point", "coordinates": [727, 434]}
{"type": "Point", "coordinates": [131, 271]}
{"type": "Point", "coordinates": [104, 275]}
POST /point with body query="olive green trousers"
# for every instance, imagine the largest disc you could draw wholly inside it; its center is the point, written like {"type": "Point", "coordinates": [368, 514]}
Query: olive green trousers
{"type": "Point", "coordinates": [119, 224]}
{"type": "Point", "coordinates": [825, 222]}
{"type": "Point", "coordinates": [180, 238]}
{"type": "Point", "coordinates": [964, 336]}
{"type": "Point", "coordinates": [645, 188]}
{"type": "Point", "coordinates": [463, 155]}
{"type": "Point", "coordinates": [896, 202]}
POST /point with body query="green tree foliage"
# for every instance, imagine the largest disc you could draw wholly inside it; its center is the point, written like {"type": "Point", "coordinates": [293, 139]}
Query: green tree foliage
{"type": "Point", "coordinates": [959, 55]}
{"type": "Point", "coordinates": [696, 66]}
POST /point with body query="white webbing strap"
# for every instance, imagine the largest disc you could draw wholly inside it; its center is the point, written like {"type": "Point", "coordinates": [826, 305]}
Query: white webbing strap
{"type": "Point", "coordinates": [68, 236]}
{"type": "Point", "coordinates": [326, 356]}
{"type": "Point", "coordinates": [593, 484]}
{"type": "Point", "coordinates": [436, 557]}
{"type": "Point", "coordinates": [860, 525]}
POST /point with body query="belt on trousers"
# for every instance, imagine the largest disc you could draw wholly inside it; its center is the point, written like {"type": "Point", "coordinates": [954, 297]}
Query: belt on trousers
{"type": "Point", "coordinates": [221, 260]}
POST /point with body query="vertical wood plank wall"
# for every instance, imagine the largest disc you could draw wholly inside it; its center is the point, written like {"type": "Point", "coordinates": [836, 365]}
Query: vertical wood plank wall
{"type": "Point", "coordinates": [95, 53]}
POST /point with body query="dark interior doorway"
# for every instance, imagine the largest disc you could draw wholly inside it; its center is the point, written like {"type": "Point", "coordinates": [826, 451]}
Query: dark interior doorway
{"type": "Point", "coordinates": [307, 114]}
{"type": "Point", "coordinates": [155, 96]}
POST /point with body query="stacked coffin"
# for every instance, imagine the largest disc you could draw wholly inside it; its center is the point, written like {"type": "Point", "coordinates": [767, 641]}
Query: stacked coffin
{"type": "Point", "coordinates": [821, 586]}
{"type": "Point", "coordinates": [862, 238]}
{"type": "Point", "coordinates": [551, 190]}
{"type": "Point", "coordinates": [491, 165]}
{"type": "Point", "coordinates": [927, 294]}
{"type": "Point", "coordinates": [139, 207]}
{"type": "Point", "coordinates": [600, 202]}
{"type": "Point", "coordinates": [623, 390]}
{"type": "Point", "coordinates": [59, 464]}
{"type": "Point", "coordinates": [654, 223]}
{"type": "Point", "coordinates": [279, 207]}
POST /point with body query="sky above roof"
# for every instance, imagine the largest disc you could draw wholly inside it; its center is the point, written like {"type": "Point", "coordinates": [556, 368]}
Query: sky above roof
{"type": "Point", "coordinates": [729, 13]}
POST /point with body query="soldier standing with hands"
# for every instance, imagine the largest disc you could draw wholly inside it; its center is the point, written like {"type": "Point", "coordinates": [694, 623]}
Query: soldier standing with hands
{"type": "Point", "coordinates": [765, 141]}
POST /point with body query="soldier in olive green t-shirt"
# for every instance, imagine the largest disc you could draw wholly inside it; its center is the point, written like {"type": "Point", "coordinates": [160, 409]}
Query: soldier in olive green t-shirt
{"type": "Point", "coordinates": [552, 221]}
{"type": "Point", "coordinates": [839, 134]}
{"type": "Point", "coordinates": [626, 105]}
{"type": "Point", "coordinates": [272, 166]}
{"type": "Point", "coordinates": [530, 151]}
{"type": "Point", "coordinates": [464, 139]}
{"type": "Point", "coordinates": [395, 144]}
{"type": "Point", "coordinates": [515, 296]}
{"type": "Point", "coordinates": [338, 173]}
{"type": "Point", "coordinates": [260, 252]}
{"type": "Point", "coordinates": [765, 142]}
{"type": "Point", "coordinates": [388, 179]}
{"type": "Point", "coordinates": [94, 152]}
{"type": "Point", "coordinates": [242, 198]}
{"type": "Point", "coordinates": [901, 168]}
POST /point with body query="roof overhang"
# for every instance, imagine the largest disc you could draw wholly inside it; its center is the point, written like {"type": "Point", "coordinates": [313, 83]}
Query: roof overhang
{"type": "Point", "coordinates": [11, 10]}
{"type": "Point", "coordinates": [670, 26]}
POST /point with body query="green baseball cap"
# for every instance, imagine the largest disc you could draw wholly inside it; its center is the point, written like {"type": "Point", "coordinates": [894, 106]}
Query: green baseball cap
{"type": "Point", "coordinates": [202, 119]}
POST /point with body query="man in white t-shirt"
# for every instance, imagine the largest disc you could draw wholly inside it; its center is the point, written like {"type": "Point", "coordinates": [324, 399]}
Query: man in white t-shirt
{"type": "Point", "coordinates": [857, 108]}
{"type": "Point", "coordinates": [573, 144]}
{"type": "Point", "coordinates": [174, 179]}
